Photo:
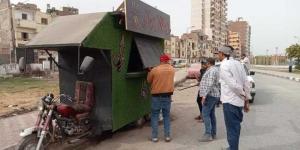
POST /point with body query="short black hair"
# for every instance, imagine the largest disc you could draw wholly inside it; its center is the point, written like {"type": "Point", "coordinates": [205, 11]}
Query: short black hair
{"type": "Point", "coordinates": [204, 62]}
{"type": "Point", "coordinates": [211, 61]}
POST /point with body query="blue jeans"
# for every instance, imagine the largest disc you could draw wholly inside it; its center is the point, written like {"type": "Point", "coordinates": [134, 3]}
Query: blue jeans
{"type": "Point", "coordinates": [233, 116]}
{"type": "Point", "coordinates": [208, 114]}
{"type": "Point", "coordinates": [158, 104]}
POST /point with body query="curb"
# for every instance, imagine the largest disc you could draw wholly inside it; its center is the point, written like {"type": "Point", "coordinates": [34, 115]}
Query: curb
{"type": "Point", "coordinates": [176, 83]}
{"type": "Point", "coordinates": [12, 147]}
{"type": "Point", "coordinates": [279, 76]}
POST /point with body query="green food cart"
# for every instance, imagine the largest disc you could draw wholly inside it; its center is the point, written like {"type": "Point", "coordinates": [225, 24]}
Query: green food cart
{"type": "Point", "coordinates": [123, 43]}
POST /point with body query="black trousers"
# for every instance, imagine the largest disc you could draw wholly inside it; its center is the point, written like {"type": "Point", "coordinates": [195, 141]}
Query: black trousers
{"type": "Point", "coordinates": [199, 103]}
{"type": "Point", "coordinates": [290, 68]}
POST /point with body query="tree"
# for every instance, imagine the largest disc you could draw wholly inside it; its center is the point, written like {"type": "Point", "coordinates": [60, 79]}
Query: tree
{"type": "Point", "coordinates": [294, 52]}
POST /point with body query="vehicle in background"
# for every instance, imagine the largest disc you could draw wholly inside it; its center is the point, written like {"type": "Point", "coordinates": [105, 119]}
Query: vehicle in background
{"type": "Point", "coordinates": [179, 63]}
{"type": "Point", "coordinates": [194, 71]}
{"type": "Point", "coordinates": [252, 83]}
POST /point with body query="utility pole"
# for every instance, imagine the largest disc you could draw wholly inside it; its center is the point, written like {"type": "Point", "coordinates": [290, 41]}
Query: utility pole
{"type": "Point", "coordinates": [276, 57]}
{"type": "Point", "coordinates": [13, 38]}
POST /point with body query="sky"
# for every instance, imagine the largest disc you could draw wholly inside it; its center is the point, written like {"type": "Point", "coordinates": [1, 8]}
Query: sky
{"type": "Point", "coordinates": [274, 23]}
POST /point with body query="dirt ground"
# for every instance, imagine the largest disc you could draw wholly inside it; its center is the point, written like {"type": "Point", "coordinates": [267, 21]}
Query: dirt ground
{"type": "Point", "coordinates": [22, 94]}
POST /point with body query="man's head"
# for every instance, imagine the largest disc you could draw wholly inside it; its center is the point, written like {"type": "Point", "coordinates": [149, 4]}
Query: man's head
{"type": "Point", "coordinates": [204, 64]}
{"type": "Point", "coordinates": [225, 52]}
{"type": "Point", "coordinates": [164, 59]}
{"type": "Point", "coordinates": [210, 62]}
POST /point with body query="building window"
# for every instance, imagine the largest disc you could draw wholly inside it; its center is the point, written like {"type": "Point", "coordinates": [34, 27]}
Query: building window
{"type": "Point", "coordinates": [44, 21]}
{"type": "Point", "coordinates": [24, 16]}
{"type": "Point", "coordinates": [24, 36]}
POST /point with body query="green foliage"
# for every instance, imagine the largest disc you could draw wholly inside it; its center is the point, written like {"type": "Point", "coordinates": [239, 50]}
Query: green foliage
{"type": "Point", "coordinates": [293, 51]}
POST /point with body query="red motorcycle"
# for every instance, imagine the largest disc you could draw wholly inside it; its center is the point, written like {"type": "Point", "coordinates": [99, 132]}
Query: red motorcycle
{"type": "Point", "coordinates": [57, 121]}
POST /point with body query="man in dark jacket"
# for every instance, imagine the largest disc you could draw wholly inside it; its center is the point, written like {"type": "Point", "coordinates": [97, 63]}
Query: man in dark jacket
{"type": "Point", "coordinates": [202, 72]}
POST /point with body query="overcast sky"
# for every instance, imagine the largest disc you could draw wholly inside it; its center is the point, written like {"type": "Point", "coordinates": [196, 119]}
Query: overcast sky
{"type": "Point", "coordinates": [275, 23]}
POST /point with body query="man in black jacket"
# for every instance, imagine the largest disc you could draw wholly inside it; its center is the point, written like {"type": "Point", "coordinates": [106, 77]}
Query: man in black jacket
{"type": "Point", "coordinates": [202, 72]}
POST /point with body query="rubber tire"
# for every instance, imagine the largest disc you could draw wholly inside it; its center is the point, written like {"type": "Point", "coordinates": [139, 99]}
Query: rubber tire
{"type": "Point", "coordinates": [251, 101]}
{"type": "Point", "coordinates": [140, 122]}
{"type": "Point", "coordinates": [27, 140]}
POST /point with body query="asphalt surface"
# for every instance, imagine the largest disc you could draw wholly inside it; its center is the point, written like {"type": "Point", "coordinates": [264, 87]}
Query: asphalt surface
{"type": "Point", "coordinates": [272, 124]}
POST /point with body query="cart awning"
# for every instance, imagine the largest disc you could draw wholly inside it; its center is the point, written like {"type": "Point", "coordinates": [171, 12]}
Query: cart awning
{"type": "Point", "coordinates": [66, 31]}
{"type": "Point", "coordinates": [150, 50]}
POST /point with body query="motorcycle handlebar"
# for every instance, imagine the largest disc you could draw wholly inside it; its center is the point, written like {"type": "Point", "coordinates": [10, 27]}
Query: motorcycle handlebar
{"type": "Point", "coordinates": [50, 99]}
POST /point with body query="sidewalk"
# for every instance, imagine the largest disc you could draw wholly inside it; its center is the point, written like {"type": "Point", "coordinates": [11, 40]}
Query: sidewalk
{"type": "Point", "coordinates": [12, 126]}
{"type": "Point", "coordinates": [180, 76]}
{"type": "Point", "coordinates": [285, 75]}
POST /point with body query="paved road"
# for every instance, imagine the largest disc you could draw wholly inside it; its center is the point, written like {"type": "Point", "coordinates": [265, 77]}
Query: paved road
{"type": "Point", "coordinates": [272, 124]}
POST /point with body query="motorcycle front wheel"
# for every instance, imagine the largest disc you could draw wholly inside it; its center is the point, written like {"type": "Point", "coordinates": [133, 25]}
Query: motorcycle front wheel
{"type": "Point", "coordinates": [30, 143]}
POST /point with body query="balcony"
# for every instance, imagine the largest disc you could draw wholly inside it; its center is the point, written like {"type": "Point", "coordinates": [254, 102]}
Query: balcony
{"type": "Point", "coordinates": [26, 24]}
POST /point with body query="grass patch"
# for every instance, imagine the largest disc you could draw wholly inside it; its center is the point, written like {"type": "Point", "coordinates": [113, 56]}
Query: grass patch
{"type": "Point", "coordinates": [20, 84]}
{"type": "Point", "coordinates": [24, 92]}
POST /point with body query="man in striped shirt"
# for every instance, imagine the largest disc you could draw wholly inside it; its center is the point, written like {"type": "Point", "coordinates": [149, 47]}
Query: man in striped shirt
{"type": "Point", "coordinates": [210, 93]}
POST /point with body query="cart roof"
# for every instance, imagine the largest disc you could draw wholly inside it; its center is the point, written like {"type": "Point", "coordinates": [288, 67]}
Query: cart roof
{"type": "Point", "coordinates": [66, 31]}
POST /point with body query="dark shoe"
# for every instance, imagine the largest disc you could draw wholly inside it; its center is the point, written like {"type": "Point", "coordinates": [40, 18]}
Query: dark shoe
{"type": "Point", "coordinates": [198, 118]}
{"type": "Point", "coordinates": [168, 139]}
{"type": "Point", "coordinates": [214, 137]}
{"type": "Point", "coordinates": [206, 138]}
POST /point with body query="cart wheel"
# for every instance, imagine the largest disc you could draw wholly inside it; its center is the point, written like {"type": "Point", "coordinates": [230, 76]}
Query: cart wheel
{"type": "Point", "coordinates": [147, 117]}
{"type": "Point", "coordinates": [140, 122]}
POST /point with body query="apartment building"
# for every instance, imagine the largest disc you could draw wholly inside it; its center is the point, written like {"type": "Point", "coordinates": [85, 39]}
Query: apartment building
{"type": "Point", "coordinates": [210, 16]}
{"type": "Point", "coordinates": [172, 46]}
{"type": "Point", "coordinates": [19, 23]}
{"type": "Point", "coordinates": [244, 30]}
{"type": "Point", "coordinates": [234, 40]}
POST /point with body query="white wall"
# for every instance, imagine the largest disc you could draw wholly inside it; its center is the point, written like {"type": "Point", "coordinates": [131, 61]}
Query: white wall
{"type": "Point", "coordinates": [9, 69]}
{"type": "Point", "coordinates": [18, 15]}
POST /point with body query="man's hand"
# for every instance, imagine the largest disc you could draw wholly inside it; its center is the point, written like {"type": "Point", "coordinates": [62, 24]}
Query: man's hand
{"type": "Point", "coordinates": [203, 100]}
{"type": "Point", "coordinates": [247, 106]}
{"type": "Point", "coordinates": [149, 69]}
